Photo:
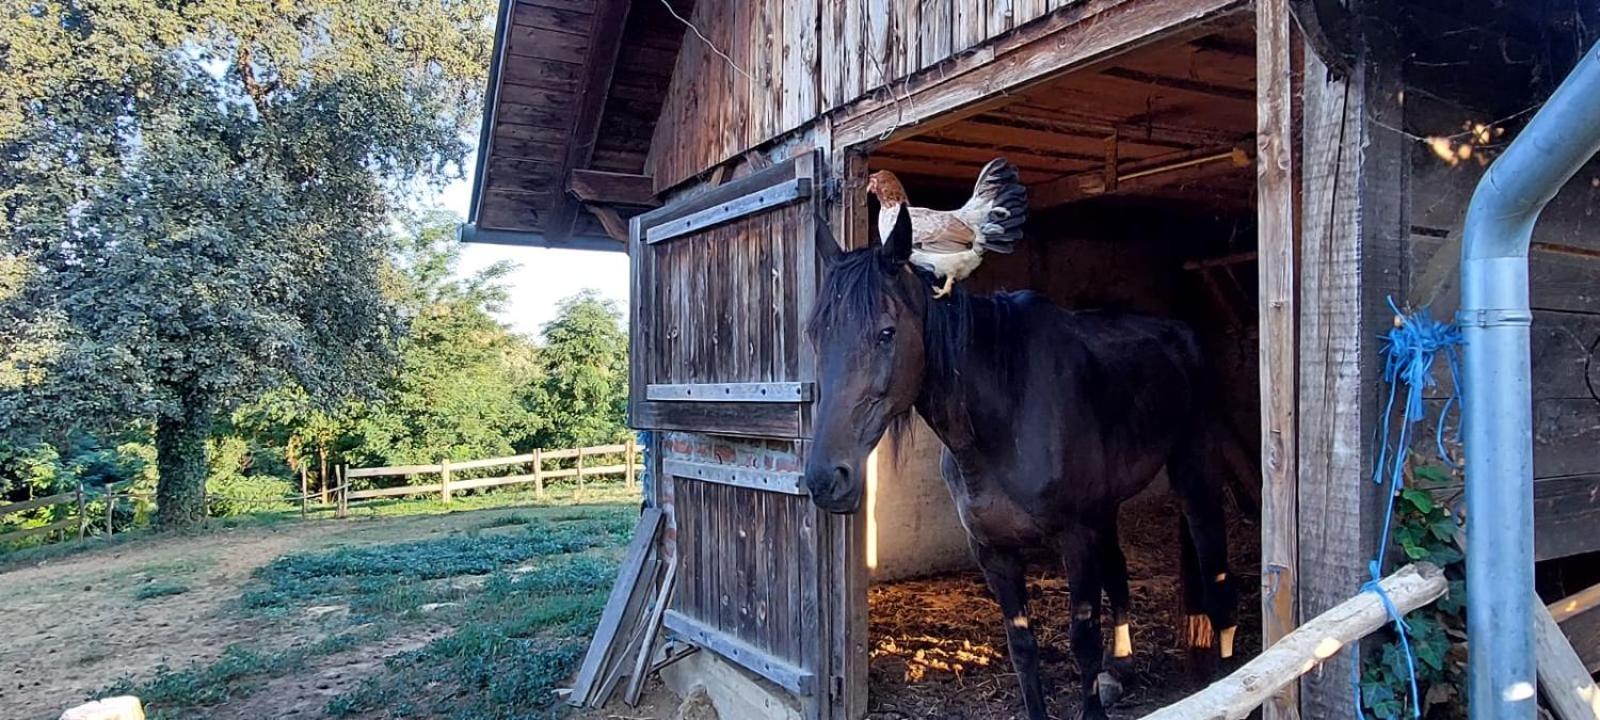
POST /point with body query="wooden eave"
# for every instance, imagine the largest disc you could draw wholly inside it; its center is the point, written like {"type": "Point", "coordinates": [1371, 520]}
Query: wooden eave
{"type": "Point", "coordinates": [574, 90]}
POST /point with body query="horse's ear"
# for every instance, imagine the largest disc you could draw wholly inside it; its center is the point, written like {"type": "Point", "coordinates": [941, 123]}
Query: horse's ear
{"type": "Point", "coordinates": [827, 247]}
{"type": "Point", "coordinates": [896, 249]}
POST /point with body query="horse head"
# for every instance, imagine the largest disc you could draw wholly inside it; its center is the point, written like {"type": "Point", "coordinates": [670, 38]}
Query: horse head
{"type": "Point", "coordinates": [868, 330]}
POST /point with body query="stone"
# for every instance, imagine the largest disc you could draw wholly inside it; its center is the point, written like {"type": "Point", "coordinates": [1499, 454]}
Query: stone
{"type": "Point", "coordinates": [126, 707]}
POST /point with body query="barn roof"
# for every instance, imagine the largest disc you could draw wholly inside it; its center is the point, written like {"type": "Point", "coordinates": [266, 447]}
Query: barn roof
{"type": "Point", "coordinates": [575, 87]}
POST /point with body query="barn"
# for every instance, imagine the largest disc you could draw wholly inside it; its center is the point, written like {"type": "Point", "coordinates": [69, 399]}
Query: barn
{"type": "Point", "coordinates": [1273, 172]}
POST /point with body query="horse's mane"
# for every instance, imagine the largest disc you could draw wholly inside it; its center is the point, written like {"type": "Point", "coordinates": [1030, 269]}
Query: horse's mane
{"type": "Point", "coordinates": [853, 291]}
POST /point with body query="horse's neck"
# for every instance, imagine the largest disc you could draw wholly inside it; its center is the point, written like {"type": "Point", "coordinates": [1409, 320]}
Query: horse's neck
{"type": "Point", "coordinates": [955, 394]}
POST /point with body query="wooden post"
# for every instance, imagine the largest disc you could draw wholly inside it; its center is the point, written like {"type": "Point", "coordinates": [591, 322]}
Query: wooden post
{"type": "Point", "coordinates": [628, 460]}
{"type": "Point", "coordinates": [111, 511]}
{"type": "Point", "coordinates": [444, 481]}
{"type": "Point", "coordinates": [343, 496]}
{"type": "Point", "coordinates": [578, 493]}
{"type": "Point", "coordinates": [1276, 239]}
{"type": "Point", "coordinates": [1563, 679]}
{"type": "Point", "coordinates": [83, 515]}
{"type": "Point", "coordinates": [304, 490]}
{"type": "Point", "coordinates": [538, 475]}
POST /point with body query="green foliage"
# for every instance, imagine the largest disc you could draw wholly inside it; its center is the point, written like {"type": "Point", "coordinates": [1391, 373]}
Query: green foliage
{"type": "Point", "coordinates": [459, 390]}
{"type": "Point", "coordinates": [517, 634]}
{"type": "Point", "coordinates": [193, 197]}
{"type": "Point", "coordinates": [159, 589]}
{"type": "Point", "coordinates": [1424, 530]}
{"type": "Point", "coordinates": [583, 397]}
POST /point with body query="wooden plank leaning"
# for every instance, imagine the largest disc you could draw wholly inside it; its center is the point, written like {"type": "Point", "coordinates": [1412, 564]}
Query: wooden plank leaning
{"type": "Point", "coordinates": [633, 562]}
{"type": "Point", "coordinates": [1235, 696]}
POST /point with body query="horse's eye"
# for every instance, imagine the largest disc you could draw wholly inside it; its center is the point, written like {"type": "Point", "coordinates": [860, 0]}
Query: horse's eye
{"type": "Point", "coordinates": [886, 335]}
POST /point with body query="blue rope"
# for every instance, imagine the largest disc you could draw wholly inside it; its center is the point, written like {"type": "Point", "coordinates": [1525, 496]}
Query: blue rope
{"type": "Point", "coordinates": [1409, 349]}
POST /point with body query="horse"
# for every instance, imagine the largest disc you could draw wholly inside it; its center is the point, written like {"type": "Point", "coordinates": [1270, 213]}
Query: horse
{"type": "Point", "coordinates": [1050, 420]}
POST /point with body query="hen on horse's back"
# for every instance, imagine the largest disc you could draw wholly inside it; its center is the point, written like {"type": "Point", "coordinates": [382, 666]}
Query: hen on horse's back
{"type": "Point", "coordinates": [951, 243]}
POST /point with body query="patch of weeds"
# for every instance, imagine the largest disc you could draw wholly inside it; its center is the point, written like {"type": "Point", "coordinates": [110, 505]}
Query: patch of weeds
{"type": "Point", "coordinates": [375, 571]}
{"type": "Point", "coordinates": [235, 674]}
{"type": "Point", "coordinates": [506, 521]}
{"type": "Point", "coordinates": [523, 636]}
{"type": "Point", "coordinates": [159, 589]}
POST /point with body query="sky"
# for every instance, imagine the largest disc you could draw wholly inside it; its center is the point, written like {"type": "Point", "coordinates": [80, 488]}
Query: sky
{"type": "Point", "coordinates": [543, 277]}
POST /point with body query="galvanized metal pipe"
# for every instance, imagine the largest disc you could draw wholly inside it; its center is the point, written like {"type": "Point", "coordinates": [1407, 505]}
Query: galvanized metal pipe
{"type": "Point", "coordinates": [1498, 405]}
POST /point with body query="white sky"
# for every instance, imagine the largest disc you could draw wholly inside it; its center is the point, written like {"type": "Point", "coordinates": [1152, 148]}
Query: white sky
{"type": "Point", "coordinates": [543, 277]}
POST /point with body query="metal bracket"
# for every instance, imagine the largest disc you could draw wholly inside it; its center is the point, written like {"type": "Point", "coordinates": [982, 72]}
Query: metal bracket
{"type": "Point", "coordinates": [1488, 318]}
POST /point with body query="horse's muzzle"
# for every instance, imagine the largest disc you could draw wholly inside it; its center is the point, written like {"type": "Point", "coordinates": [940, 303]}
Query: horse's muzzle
{"type": "Point", "coordinates": [835, 489]}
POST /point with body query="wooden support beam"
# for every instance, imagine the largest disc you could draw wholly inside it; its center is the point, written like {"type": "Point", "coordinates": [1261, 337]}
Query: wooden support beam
{"type": "Point", "coordinates": [1275, 176]}
{"type": "Point", "coordinates": [1085, 33]}
{"type": "Point", "coordinates": [1579, 616]}
{"type": "Point", "coordinates": [609, 188]}
{"type": "Point", "coordinates": [605, 33]}
{"type": "Point", "coordinates": [612, 221]}
{"type": "Point", "coordinates": [1184, 84]}
{"type": "Point", "coordinates": [1170, 169]}
{"type": "Point", "coordinates": [1563, 679]}
{"type": "Point", "coordinates": [1322, 637]}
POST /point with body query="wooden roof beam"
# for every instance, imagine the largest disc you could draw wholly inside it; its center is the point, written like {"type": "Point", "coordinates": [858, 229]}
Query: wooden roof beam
{"type": "Point", "coordinates": [597, 187]}
{"type": "Point", "coordinates": [605, 34]}
{"type": "Point", "coordinates": [1183, 84]}
{"type": "Point", "coordinates": [1180, 167]}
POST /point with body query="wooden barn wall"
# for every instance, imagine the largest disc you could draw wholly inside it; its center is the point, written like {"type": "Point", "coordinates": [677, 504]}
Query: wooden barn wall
{"type": "Point", "coordinates": [788, 62]}
{"type": "Point", "coordinates": [1565, 293]}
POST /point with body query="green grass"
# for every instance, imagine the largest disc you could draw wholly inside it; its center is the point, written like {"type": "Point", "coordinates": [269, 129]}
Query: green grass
{"type": "Point", "coordinates": [159, 589]}
{"type": "Point", "coordinates": [525, 590]}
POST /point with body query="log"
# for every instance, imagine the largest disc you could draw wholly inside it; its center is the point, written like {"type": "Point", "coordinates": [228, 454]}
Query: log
{"type": "Point", "coordinates": [1233, 697]}
{"type": "Point", "coordinates": [1563, 679]}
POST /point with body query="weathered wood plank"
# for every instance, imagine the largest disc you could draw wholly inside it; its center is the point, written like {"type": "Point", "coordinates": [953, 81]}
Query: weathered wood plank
{"type": "Point", "coordinates": [608, 188]}
{"type": "Point", "coordinates": [1563, 680]}
{"type": "Point", "coordinates": [605, 31]}
{"type": "Point", "coordinates": [393, 491]}
{"type": "Point", "coordinates": [1091, 31]}
{"type": "Point", "coordinates": [61, 525]}
{"type": "Point", "coordinates": [1275, 136]}
{"type": "Point", "coordinates": [38, 503]}
{"type": "Point", "coordinates": [738, 419]}
{"type": "Point", "coordinates": [1580, 621]}
{"type": "Point", "coordinates": [1321, 638]}
{"type": "Point", "coordinates": [393, 470]}
{"type": "Point", "coordinates": [632, 569]}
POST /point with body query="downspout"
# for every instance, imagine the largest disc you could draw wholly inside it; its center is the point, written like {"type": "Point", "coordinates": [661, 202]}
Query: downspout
{"type": "Point", "coordinates": [1498, 419]}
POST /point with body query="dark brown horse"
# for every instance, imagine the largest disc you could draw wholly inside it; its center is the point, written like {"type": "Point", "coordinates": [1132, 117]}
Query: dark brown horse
{"type": "Point", "coordinates": [1050, 420]}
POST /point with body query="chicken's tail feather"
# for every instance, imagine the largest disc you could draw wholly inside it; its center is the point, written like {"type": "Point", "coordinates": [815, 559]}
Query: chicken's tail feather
{"type": "Point", "coordinates": [1000, 189]}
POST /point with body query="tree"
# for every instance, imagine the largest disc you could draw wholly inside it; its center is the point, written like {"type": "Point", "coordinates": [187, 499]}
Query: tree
{"type": "Point", "coordinates": [461, 380]}
{"type": "Point", "coordinates": [193, 199]}
{"type": "Point", "coordinates": [583, 397]}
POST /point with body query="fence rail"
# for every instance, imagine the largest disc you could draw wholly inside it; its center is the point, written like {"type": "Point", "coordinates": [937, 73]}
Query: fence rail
{"type": "Point", "coordinates": [341, 495]}
{"type": "Point", "coordinates": [79, 497]}
{"type": "Point", "coordinates": [537, 475]}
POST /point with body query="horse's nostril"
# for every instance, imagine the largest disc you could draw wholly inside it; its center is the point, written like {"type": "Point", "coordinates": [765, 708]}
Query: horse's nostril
{"type": "Point", "coordinates": [841, 475]}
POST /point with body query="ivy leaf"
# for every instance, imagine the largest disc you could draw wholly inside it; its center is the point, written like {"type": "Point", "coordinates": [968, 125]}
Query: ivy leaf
{"type": "Point", "coordinates": [1416, 552]}
{"type": "Point", "coordinates": [1420, 499]}
{"type": "Point", "coordinates": [1445, 555]}
{"type": "Point", "coordinates": [1443, 528]}
{"type": "Point", "coordinates": [1432, 474]}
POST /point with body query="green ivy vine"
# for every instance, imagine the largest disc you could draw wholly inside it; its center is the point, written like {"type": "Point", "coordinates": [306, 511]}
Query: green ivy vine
{"type": "Point", "coordinates": [1425, 530]}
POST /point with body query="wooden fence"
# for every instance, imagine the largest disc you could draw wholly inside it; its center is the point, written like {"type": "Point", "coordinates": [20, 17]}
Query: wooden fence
{"type": "Point", "coordinates": [79, 498]}
{"type": "Point", "coordinates": [537, 474]}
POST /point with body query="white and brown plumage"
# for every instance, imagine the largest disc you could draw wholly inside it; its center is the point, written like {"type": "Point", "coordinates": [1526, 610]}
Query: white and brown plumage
{"type": "Point", "coordinates": [951, 243]}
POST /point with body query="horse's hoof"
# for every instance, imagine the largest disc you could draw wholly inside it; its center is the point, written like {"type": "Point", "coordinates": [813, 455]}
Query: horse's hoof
{"type": "Point", "coordinates": [1108, 688]}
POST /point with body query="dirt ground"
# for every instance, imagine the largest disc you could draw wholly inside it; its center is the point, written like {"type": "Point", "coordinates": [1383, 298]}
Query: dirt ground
{"type": "Point", "coordinates": [938, 644]}
{"type": "Point", "coordinates": [76, 624]}
{"type": "Point", "coordinates": [939, 648]}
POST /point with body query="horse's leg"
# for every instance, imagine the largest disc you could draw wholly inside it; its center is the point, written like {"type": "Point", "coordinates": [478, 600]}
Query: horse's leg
{"type": "Point", "coordinates": [1114, 570]}
{"type": "Point", "coordinates": [1194, 477]}
{"type": "Point", "coordinates": [1006, 572]}
{"type": "Point", "coordinates": [1080, 556]}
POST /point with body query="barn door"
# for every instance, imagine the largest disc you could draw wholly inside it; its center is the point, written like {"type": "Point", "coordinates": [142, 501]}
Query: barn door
{"type": "Point", "coordinates": [722, 370]}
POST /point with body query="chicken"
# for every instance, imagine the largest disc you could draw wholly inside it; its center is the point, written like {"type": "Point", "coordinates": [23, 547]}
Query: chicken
{"type": "Point", "coordinates": [951, 243]}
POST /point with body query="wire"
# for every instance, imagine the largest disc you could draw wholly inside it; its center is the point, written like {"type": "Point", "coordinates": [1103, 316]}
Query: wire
{"type": "Point", "coordinates": [707, 41]}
